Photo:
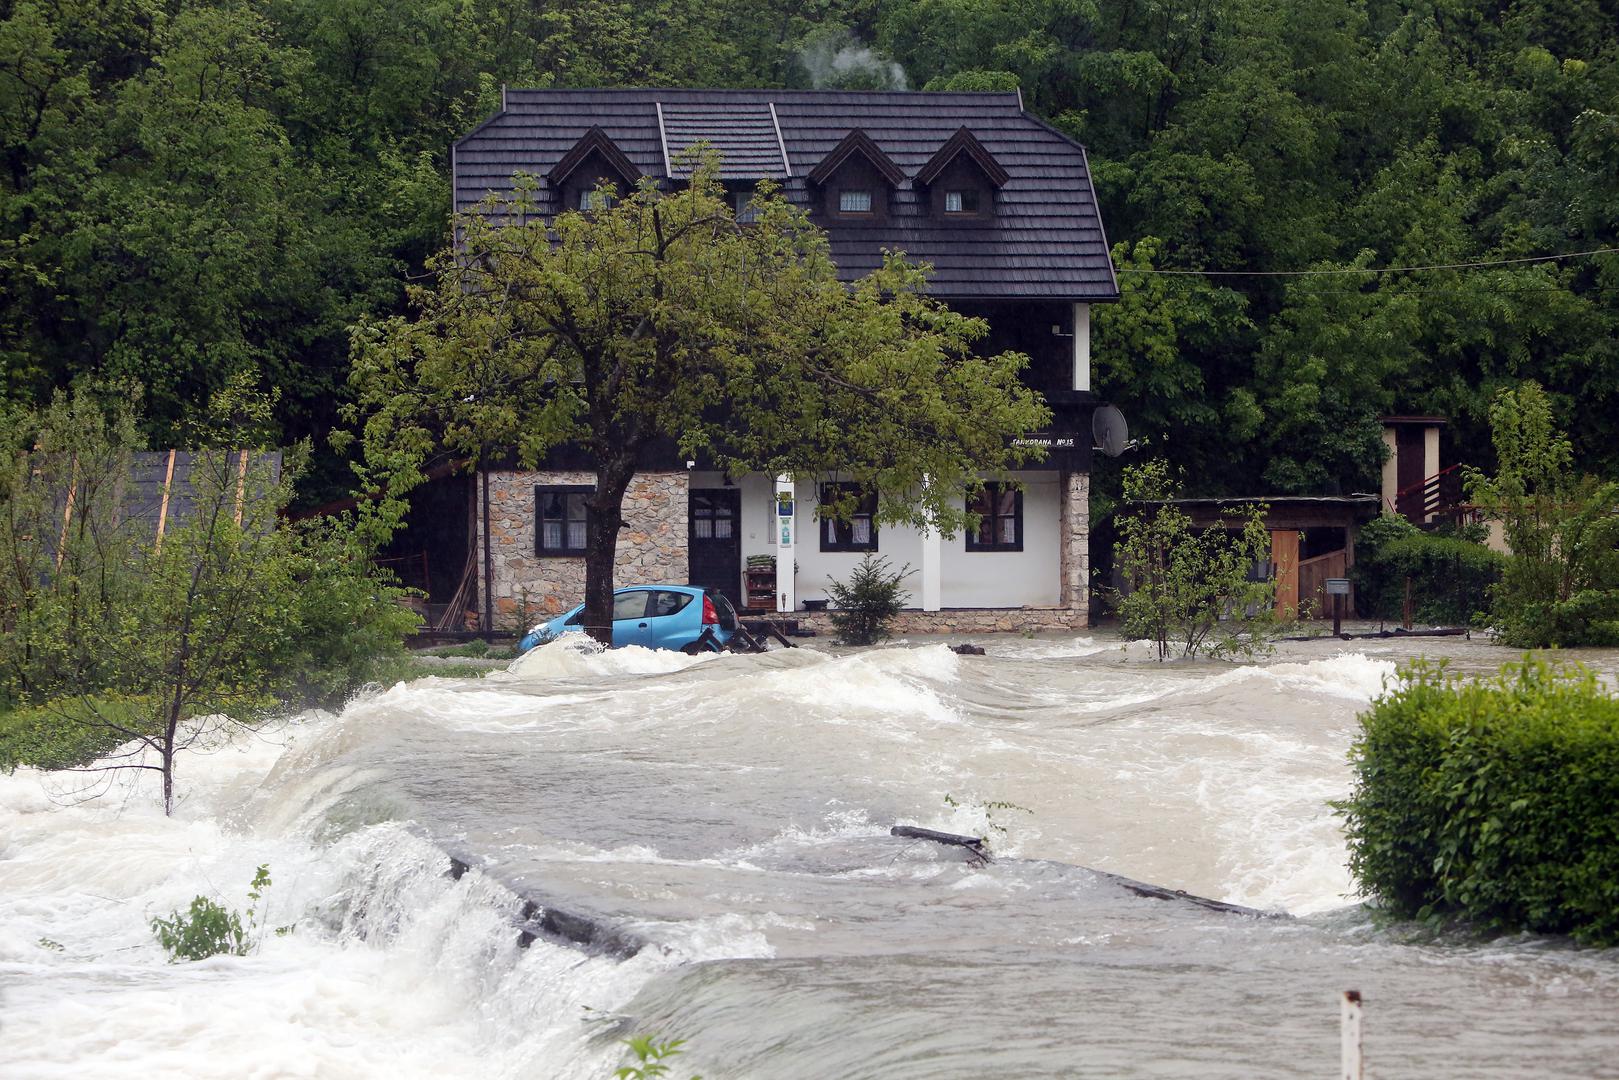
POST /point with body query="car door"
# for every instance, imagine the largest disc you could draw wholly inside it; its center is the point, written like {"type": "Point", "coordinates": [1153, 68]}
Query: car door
{"type": "Point", "coordinates": [630, 625]}
{"type": "Point", "coordinates": [674, 625]}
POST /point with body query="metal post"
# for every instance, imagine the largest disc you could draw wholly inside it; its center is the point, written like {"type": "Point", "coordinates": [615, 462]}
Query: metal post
{"type": "Point", "coordinates": [1349, 1015]}
{"type": "Point", "coordinates": [1406, 614]}
{"type": "Point", "coordinates": [1337, 615]}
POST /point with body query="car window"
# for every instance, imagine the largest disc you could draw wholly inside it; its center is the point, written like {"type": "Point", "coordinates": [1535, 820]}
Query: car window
{"type": "Point", "coordinates": [723, 608]}
{"type": "Point", "coordinates": [629, 605]}
{"type": "Point", "coordinates": [665, 602]}
{"type": "Point", "coordinates": [576, 618]}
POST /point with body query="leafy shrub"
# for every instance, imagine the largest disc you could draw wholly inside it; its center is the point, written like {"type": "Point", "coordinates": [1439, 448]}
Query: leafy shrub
{"type": "Point", "coordinates": [208, 928]}
{"type": "Point", "coordinates": [867, 604]}
{"type": "Point", "coordinates": [649, 1058]}
{"type": "Point", "coordinates": [1451, 577]}
{"type": "Point", "coordinates": [1188, 588]}
{"type": "Point", "coordinates": [1561, 585]}
{"type": "Point", "coordinates": [1496, 801]}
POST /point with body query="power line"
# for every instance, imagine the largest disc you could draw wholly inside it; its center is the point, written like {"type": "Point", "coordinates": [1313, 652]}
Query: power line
{"type": "Point", "coordinates": [1482, 264]}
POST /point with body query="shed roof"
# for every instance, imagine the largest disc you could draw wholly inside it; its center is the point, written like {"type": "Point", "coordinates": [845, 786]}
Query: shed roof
{"type": "Point", "coordinates": [1045, 239]}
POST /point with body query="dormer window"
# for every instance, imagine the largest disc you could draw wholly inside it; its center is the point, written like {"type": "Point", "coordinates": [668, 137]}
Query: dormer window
{"type": "Point", "coordinates": [746, 212]}
{"type": "Point", "coordinates": [961, 178]}
{"type": "Point", "coordinates": [854, 180]}
{"type": "Point", "coordinates": [594, 160]}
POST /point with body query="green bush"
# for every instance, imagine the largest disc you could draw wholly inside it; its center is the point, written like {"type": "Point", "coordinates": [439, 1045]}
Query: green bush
{"type": "Point", "coordinates": [209, 928]}
{"type": "Point", "coordinates": [1495, 801]}
{"type": "Point", "coordinates": [1451, 577]}
{"type": "Point", "coordinates": [868, 602]}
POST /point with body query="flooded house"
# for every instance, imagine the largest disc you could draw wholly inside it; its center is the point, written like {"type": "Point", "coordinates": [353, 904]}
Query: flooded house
{"type": "Point", "coordinates": [998, 202]}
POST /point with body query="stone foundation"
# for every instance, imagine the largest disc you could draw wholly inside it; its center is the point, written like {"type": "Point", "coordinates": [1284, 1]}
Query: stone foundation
{"type": "Point", "coordinates": [958, 621]}
{"type": "Point", "coordinates": [651, 546]}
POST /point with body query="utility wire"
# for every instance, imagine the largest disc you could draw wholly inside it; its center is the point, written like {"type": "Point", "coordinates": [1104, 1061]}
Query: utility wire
{"type": "Point", "coordinates": [1374, 270]}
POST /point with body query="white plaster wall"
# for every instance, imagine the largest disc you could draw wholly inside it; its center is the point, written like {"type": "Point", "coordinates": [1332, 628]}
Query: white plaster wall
{"type": "Point", "coordinates": [1028, 578]}
{"type": "Point", "coordinates": [899, 544]}
{"type": "Point", "coordinates": [986, 579]}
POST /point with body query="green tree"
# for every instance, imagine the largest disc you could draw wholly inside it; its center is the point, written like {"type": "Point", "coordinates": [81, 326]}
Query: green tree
{"type": "Point", "coordinates": [661, 317]}
{"type": "Point", "coordinates": [865, 606]}
{"type": "Point", "coordinates": [117, 635]}
{"type": "Point", "coordinates": [1561, 583]}
{"type": "Point", "coordinates": [1191, 589]}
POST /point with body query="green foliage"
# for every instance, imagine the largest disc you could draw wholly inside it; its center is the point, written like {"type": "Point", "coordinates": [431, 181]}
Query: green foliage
{"type": "Point", "coordinates": [1561, 584]}
{"type": "Point", "coordinates": [194, 189]}
{"type": "Point", "coordinates": [1189, 589]}
{"type": "Point", "coordinates": [1451, 577]}
{"type": "Point", "coordinates": [992, 809]}
{"type": "Point", "coordinates": [865, 606]}
{"type": "Point", "coordinates": [208, 928]}
{"type": "Point", "coordinates": [650, 1055]}
{"type": "Point", "coordinates": [118, 636]}
{"type": "Point", "coordinates": [662, 318]}
{"type": "Point", "coordinates": [1496, 801]}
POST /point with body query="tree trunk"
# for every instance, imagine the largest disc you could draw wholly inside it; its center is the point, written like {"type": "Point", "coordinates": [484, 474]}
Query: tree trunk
{"type": "Point", "coordinates": [606, 517]}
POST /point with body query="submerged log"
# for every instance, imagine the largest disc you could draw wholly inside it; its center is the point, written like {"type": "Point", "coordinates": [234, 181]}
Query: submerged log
{"type": "Point", "coordinates": [973, 844]}
{"type": "Point", "coordinates": [537, 920]}
{"type": "Point", "coordinates": [967, 649]}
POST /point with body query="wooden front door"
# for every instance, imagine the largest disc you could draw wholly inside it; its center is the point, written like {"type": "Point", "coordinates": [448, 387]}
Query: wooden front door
{"type": "Point", "coordinates": [714, 540]}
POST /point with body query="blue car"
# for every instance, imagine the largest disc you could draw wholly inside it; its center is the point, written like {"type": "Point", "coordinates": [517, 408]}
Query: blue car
{"type": "Point", "coordinates": [685, 617]}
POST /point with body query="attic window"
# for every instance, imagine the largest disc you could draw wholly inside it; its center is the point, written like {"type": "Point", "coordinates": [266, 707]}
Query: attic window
{"type": "Point", "coordinates": [961, 202]}
{"type": "Point", "coordinates": [746, 212]}
{"type": "Point", "coordinates": [591, 199]}
{"type": "Point", "coordinates": [854, 202]}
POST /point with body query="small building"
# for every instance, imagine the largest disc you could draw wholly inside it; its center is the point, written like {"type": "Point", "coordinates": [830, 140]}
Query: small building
{"type": "Point", "coordinates": [1312, 538]}
{"type": "Point", "coordinates": [997, 201]}
{"type": "Point", "coordinates": [1414, 486]}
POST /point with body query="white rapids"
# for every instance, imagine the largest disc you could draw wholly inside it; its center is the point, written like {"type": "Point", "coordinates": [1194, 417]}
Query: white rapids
{"type": "Point", "coordinates": [729, 817]}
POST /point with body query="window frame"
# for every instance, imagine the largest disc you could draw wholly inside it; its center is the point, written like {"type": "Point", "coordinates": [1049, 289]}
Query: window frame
{"type": "Point", "coordinates": [567, 491]}
{"type": "Point", "coordinates": [871, 202]}
{"type": "Point", "coordinates": [746, 212]}
{"type": "Point", "coordinates": [843, 531]}
{"type": "Point", "coordinates": [587, 198]}
{"type": "Point", "coordinates": [992, 490]}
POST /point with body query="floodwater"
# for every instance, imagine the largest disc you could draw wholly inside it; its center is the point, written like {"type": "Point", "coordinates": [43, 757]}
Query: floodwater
{"type": "Point", "coordinates": [726, 820]}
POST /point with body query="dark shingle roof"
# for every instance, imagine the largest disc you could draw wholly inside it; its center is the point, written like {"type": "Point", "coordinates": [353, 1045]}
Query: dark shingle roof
{"type": "Point", "coordinates": [1044, 240]}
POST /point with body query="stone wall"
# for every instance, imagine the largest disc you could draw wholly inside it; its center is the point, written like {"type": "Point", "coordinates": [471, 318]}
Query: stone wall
{"type": "Point", "coordinates": [651, 547]}
{"type": "Point", "coordinates": [962, 621]}
{"type": "Point", "coordinates": [1074, 542]}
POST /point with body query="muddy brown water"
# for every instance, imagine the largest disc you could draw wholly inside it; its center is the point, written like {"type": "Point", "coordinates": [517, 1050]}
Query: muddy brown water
{"type": "Point", "coordinates": [731, 816]}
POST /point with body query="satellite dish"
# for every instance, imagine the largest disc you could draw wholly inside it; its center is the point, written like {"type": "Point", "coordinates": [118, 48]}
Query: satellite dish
{"type": "Point", "coordinates": [1111, 433]}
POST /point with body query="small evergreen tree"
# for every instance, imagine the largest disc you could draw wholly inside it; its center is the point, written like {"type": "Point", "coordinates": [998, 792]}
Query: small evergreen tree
{"type": "Point", "coordinates": [867, 604]}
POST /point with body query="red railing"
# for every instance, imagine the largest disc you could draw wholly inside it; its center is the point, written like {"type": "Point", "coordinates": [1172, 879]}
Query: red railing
{"type": "Point", "coordinates": [1439, 496]}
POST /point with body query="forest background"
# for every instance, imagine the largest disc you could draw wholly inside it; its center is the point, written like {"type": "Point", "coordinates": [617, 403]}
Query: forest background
{"type": "Point", "coordinates": [191, 189]}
